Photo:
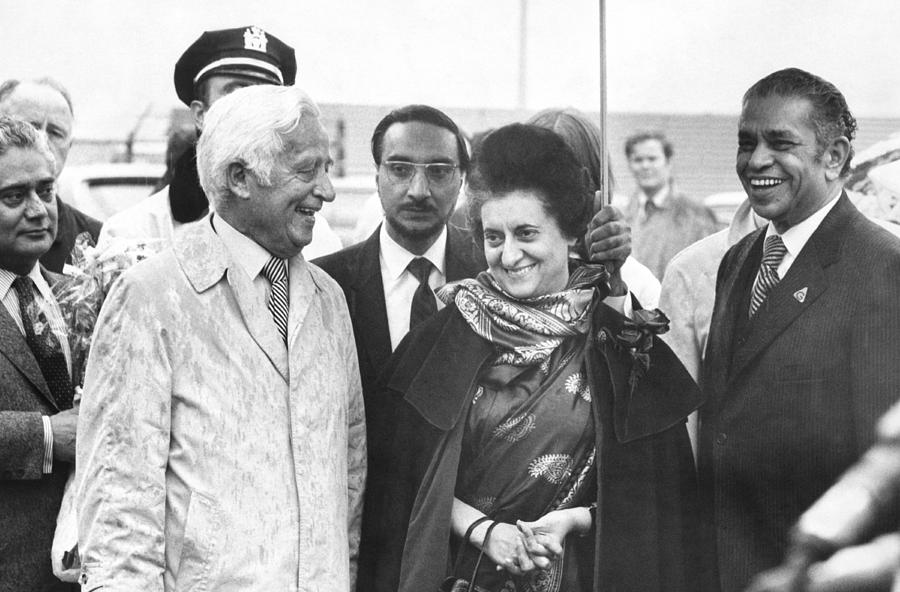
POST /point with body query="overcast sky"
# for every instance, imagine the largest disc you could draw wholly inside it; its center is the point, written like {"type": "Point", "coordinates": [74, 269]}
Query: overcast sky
{"type": "Point", "coordinates": [693, 56]}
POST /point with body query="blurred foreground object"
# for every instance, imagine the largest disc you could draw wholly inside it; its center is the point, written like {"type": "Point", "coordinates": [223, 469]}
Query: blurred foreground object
{"type": "Point", "coordinates": [862, 504]}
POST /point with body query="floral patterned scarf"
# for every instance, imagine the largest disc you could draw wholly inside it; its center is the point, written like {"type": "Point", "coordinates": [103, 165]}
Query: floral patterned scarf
{"type": "Point", "coordinates": [526, 331]}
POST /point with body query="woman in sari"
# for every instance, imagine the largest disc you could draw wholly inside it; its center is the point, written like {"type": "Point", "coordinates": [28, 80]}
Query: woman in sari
{"type": "Point", "coordinates": [539, 441]}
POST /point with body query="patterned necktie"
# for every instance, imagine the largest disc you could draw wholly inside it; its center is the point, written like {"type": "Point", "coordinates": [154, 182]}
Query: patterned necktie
{"type": "Point", "coordinates": [767, 278]}
{"type": "Point", "coordinates": [44, 344]}
{"type": "Point", "coordinates": [276, 272]}
{"type": "Point", "coordinates": [423, 302]}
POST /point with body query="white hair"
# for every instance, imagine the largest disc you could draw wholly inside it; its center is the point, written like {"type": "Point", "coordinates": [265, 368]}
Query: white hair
{"type": "Point", "coordinates": [247, 127]}
{"type": "Point", "coordinates": [16, 133]}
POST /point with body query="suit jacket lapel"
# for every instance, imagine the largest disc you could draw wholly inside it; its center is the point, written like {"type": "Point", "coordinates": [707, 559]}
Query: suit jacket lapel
{"type": "Point", "coordinates": [16, 349]}
{"type": "Point", "coordinates": [463, 259]}
{"type": "Point", "coordinates": [805, 281]}
{"type": "Point", "coordinates": [204, 259]}
{"type": "Point", "coordinates": [367, 304]}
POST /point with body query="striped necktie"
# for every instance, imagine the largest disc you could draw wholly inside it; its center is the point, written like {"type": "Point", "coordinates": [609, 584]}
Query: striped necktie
{"type": "Point", "coordinates": [276, 272]}
{"type": "Point", "coordinates": [44, 344]}
{"type": "Point", "coordinates": [767, 278]}
{"type": "Point", "coordinates": [423, 302]}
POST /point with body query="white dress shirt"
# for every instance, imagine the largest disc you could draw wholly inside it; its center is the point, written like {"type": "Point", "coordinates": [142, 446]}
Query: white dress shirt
{"type": "Point", "coordinates": [796, 237]}
{"type": "Point", "coordinates": [47, 303]}
{"type": "Point", "coordinates": [247, 253]}
{"type": "Point", "coordinates": [400, 285]}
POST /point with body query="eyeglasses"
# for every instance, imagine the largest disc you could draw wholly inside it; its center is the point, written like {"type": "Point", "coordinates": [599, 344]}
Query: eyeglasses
{"type": "Point", "coordinates": [437, 173]}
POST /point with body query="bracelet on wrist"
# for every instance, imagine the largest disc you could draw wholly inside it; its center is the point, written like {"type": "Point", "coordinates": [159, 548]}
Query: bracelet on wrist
{"type": "Point", "coordinates": [471, 529]}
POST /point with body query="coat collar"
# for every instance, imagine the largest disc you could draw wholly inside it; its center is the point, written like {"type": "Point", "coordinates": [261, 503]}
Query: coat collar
{"type": "Point", "coordinates": [205, 261]}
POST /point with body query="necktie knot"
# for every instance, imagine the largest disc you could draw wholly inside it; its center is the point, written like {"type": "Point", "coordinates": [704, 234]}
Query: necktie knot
{"type": "Point", "coordinates": [44, 343]}
{"type": "Point", "coordinates": [774, 251]}
{"type": "Point", "coordinates": [423, 302]}
{"type": "Point", "coordinates": [767, 278]}
{"type": "Point", "coordinates": [420, 267]}
{"type": "Point", "coordinates": [24, 287]}
{"type": "Point", "coordinates": [275, 270]}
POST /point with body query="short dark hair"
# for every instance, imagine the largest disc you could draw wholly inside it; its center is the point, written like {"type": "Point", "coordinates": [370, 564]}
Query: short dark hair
{"type": "Point", "coordinates": [423, 114]}
{"type": "Point", "coordinates": [830, 115]}
{"type": "Point", "coordinates": [8, 86]}
{"type": "Point", "coordinates": [635, 139]}
{"type": "Point", "coordinates": [528, 157]}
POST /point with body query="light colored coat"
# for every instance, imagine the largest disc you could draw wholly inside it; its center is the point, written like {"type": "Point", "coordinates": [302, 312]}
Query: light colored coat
{"type": "Point", "coordinates": [210, 456]}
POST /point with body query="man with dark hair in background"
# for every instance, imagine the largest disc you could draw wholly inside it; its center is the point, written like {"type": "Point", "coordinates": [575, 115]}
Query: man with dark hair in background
{"type": "Point", "coordinates": [802, 352]}
{"type": "Point", "coordinates": [47, 105]}
{"type": "Point", "coordinates": [663, 220]}
{"type": "Point", "coordinates": [215, 65]}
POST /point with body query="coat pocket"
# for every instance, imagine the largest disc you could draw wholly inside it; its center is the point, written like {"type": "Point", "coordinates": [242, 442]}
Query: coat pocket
{"type": "Point", "coordinates": [199, 547]}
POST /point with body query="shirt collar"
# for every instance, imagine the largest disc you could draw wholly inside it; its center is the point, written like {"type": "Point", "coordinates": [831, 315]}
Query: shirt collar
{"type": "Point", "coordinates": [659, 200]}
{"type": "Point", "coordinates": [796, 237]}
{"type": "Point", "coordinates": [246, 252]}
{"type": "Point", "coordinates": [396, 257]}
{"type": "Point", "coordinates": [7, 278]}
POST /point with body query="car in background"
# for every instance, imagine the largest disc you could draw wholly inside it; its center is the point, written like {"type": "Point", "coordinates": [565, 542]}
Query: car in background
{"type": "Point", "coordinates": [352, 199]}
{"type": "Point", "coordinates": [724, 205]}
{"type": "Point", "coordinates": [101, 190]}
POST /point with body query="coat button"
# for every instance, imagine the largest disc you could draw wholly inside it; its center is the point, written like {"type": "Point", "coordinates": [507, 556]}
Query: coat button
{"type": "Point", "coordinates": [721, 438]}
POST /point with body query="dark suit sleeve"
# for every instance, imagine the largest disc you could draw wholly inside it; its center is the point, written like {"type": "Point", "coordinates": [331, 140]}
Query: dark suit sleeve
{"type": "Point", "coordinates": [21, 445]}
{"type": "Point", "coordinates": [875, 372]}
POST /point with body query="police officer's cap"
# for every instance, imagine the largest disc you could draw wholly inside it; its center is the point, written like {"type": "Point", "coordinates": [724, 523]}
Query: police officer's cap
{"type": "Point", "coordinates": [247, 51]}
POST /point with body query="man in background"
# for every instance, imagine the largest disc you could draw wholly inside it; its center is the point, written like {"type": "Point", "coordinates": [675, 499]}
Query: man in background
{"type": "Point", "coordinates": [37, 421]}
{"type": "Point", "coordinates": [420, 161]}
{"type": "Point", "coordinates": [216, 64]}
{"type": "Point", "coordinates": [663, 220]}
{"type": "Point", "coordinates": [47, 105]}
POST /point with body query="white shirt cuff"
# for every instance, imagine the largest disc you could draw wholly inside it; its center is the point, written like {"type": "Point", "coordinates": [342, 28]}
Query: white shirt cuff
{"type": "Point", "coordinates": [48, 445]}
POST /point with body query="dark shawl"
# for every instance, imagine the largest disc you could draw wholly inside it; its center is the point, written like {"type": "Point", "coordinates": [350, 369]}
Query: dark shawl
{"type": "Point", "coordinates": [646, 483]}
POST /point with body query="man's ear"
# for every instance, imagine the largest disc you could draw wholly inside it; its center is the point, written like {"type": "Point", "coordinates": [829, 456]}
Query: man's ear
{"type": "Point", "coordinates": [198, 110]}
{"type": "Point", "coordinates": [238, 178]}
{"type": "Point", "coordinates": [836, 154]}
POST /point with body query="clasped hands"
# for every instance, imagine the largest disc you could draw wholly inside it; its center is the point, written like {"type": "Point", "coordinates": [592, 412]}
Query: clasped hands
{"type": "Point", "coordinates": [526, 546]}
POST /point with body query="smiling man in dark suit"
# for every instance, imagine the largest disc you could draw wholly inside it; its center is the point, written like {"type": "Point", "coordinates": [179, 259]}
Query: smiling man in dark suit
{"type": "Point", "coordinates": [801, 358]}
{"type": "Point", "coordinates": [37, 422]}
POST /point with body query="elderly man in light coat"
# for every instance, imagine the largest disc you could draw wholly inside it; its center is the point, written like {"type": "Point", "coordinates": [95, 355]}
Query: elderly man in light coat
{"type": "Point", "coordinates": [222, 443]}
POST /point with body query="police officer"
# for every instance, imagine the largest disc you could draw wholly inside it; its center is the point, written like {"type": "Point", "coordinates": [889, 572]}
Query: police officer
{"type": "Point", "coordinates": [216, 64]}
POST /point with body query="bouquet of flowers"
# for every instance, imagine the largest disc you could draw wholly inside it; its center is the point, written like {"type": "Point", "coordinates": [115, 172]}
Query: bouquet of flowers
{"type": "Point", "coordinates": [83, 289]}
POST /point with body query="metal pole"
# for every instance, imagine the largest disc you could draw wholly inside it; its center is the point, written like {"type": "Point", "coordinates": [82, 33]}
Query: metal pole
{"type": "Point", "coordinates": [523, 58]}
{"type": "Point", "coordinates": [604, 145]}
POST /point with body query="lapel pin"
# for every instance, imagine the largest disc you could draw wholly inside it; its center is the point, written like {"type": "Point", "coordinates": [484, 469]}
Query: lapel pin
{"type": "Point", "coordinates": [800, 295]}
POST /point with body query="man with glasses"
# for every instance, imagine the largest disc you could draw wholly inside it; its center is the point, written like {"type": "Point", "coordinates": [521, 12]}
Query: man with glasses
{"type": "Point", "coordinates": [421, 159]}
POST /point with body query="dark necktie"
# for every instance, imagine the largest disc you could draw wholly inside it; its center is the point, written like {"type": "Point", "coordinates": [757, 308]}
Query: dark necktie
{"type": "Point", "coordinates": [44, 344]}
{"type": "Point", "coordinates": [767, 278]}
{"type": "Point", "coordinates": [276, 272]}
{"type": "Point", "coordinates": [423, 303]}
